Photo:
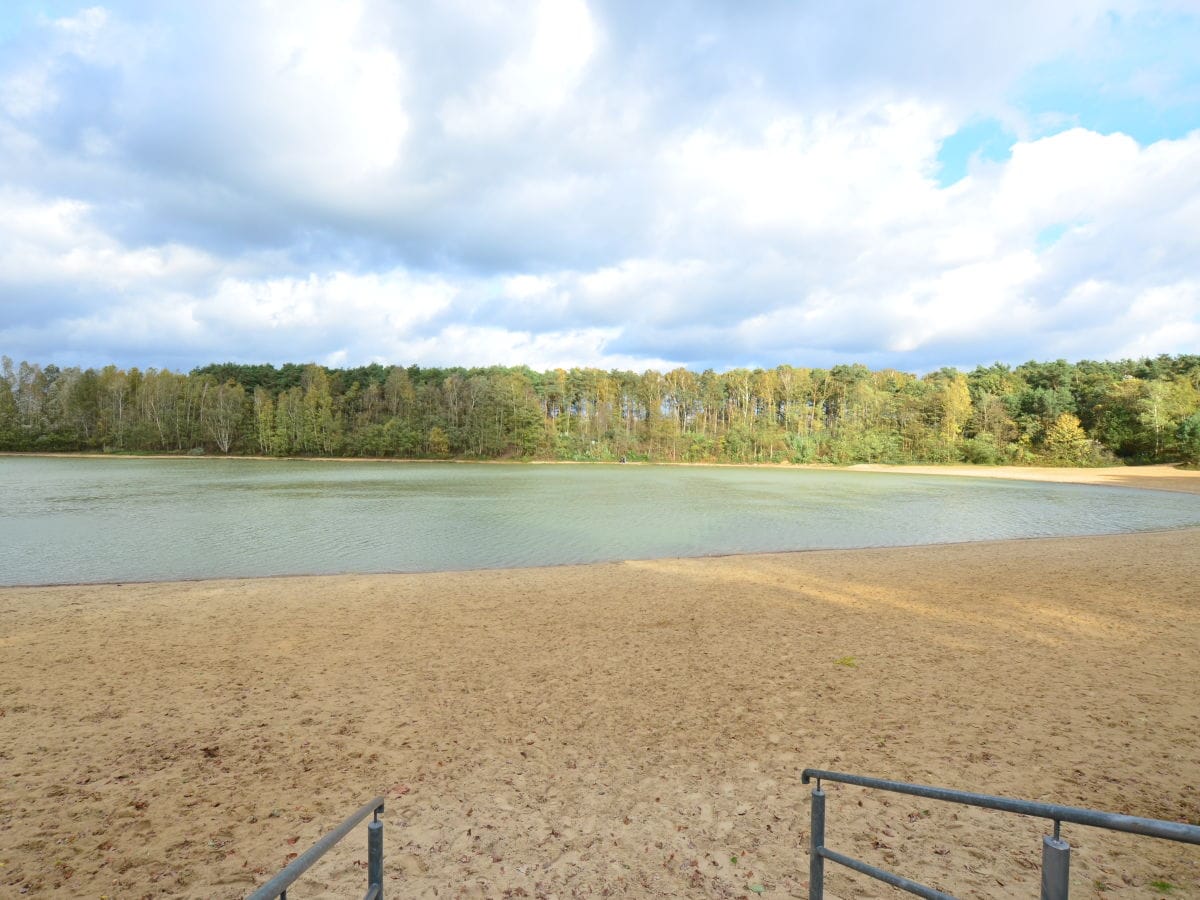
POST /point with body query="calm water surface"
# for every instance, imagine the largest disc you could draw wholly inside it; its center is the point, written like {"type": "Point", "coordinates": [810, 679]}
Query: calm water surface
{"type": "Point", "coordinates": [83, 520]}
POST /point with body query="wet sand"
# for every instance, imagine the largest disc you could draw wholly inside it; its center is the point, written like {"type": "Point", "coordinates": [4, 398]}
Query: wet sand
{"type": "Point", "coordinates": [630, 729]}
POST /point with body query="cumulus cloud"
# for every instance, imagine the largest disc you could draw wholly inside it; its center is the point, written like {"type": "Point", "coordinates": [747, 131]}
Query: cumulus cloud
{"type": "Point", "coordinates": [536, 80]}
{"type": "Point", "coordinates": [558, 183]}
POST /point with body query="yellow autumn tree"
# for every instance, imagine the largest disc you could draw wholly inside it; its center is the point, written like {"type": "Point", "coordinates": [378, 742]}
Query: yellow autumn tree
{"type": "Point", "coordinates": [1066, 440]}
{"type": "Point", "coordinates": [439, 442]}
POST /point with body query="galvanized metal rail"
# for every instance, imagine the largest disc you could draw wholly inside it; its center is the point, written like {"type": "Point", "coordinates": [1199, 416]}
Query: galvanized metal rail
{"type": "Point", "coordinates": [278, 886]}
{"type": "Point", "coordinates": [1056, 852]}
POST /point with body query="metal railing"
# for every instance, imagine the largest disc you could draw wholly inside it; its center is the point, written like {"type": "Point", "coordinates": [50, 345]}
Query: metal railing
{"type": "Point", "coordinates": [278, 886]}
{"type": "Point", "coordinates": [1056, 852]}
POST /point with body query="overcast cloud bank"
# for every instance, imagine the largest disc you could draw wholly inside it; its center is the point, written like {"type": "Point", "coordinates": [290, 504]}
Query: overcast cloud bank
{"type": "Point", "coordinates": [563, 183]}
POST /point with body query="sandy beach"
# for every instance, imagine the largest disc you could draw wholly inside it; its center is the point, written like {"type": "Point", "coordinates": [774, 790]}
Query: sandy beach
{"type": "Point", "coordinates": [623, 729]}
{"type": "Point", "coordinates": [1158, 478]}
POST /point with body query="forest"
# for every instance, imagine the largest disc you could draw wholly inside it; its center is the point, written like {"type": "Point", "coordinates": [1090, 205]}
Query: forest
{"type": "Point", "coordinates": [1055, 413]}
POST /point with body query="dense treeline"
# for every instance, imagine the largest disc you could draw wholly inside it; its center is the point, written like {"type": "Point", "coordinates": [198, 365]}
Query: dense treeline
{"type": "Point", "coordinates": [1068, 414]}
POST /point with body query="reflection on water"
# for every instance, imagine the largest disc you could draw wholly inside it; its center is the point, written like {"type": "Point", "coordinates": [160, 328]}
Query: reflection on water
{"type": "Point", "coordinates": [68, 520]}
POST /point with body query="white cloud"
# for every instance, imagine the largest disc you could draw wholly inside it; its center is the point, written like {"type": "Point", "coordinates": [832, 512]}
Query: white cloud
{"type": "Point", "coordinates": [27, 92]}
{"type": "Point", "coordinates": [527, 287]}
{"type": "Point", "coordinates": [538, 78]}
{"type": "Point", "coordinates": [1072, 175]}
{"type": "Point", "coordinates": [641, 290]}
{"type": "Point", "coordinates": [380, 304]}
{"type": "Point", "coordinates": [870, 168]}
{"type": "Point", "coordinates": [484, 346]}
{"type": "Point", "coordinates": [140, 324]}
{"type": "Point", "coordinates": [1163, 320]}
{"type": "Point", "coordinates": [84, 29]}
{"type": "Point", "coordinates": [54, 241]}
{"type": "Point", "coordinates": [558, 182]}
{"type": "Point", "coordinates": [30, 88]}
{"type": "Point", "coordinates": [330, 93]}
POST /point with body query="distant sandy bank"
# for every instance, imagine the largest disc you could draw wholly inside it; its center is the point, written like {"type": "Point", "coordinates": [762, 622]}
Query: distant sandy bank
{"type": "Point", "coordinates": [1160, 477]}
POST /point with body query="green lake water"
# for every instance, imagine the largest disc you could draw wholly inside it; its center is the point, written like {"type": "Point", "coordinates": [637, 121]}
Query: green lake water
{"type": "Point", "coordinates": [107, 520]}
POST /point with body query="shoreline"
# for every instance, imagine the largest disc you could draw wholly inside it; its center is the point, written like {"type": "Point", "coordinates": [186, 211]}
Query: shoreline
{"type": "Point", "coordinates": [749, 555]}
{"type": "Point", "coordinates": [1157, 476]}
{"type": "Point", "coordinates": [632, 726]}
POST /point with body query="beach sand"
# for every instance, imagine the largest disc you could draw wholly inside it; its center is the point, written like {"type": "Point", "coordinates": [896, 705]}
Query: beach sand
{"type": "Point", "coordinates": [626, 729]}
{"type": "Point", "coordinates": [1159, 478]}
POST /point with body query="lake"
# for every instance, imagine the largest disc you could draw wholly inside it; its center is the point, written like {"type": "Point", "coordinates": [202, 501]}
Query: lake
{"type": "Point", "coordinates": [65, 520]}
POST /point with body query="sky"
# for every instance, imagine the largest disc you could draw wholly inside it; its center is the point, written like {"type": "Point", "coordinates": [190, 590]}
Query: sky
{"type": "Point", "coordinates": [621, 184]}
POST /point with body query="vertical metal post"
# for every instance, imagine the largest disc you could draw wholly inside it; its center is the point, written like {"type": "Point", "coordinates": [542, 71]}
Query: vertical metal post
{"type": "Point", "coordinates": [1056, 867]}
{"type": "Point", "coordinates": [375, 855]}
{"type": "Point", "coordinates": [816, 862]}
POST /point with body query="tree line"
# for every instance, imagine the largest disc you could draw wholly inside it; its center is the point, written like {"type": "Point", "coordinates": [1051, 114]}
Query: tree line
{"type": "Point", "coordinates": [1060, 413]}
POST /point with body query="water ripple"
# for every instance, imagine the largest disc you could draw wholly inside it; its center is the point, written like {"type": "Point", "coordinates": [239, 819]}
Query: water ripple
{"type": "Point", "coordinates": [70, 520]}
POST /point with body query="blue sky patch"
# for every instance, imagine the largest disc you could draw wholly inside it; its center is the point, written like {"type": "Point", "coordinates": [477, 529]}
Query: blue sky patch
{"type": "Point", "coordinates": [987, 139]}
{"type": "Point", "coordinates": [1142, 80]}
{"type": "Point", "coordinates": [1050, 234]}
{"type": "Point", "coordinates": [17, 16]}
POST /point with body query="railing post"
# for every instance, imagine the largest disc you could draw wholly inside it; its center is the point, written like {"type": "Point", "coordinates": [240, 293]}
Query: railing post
{"type": "Point", "coordinates": [375, 855]}
{"type": "Point", "coordinates": [1056, 867]}
{"type": "Point", "coordinates": [816, 862]}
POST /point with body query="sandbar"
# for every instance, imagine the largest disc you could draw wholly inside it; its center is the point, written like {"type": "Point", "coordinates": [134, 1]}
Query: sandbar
{"type": "Point", "coordinates": [1159, 478]}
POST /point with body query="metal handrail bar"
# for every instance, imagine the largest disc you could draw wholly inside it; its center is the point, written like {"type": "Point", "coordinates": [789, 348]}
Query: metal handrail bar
{"type": "Point", "coordinates": [1056, 852]}
{"type": "Point", "coordinates": [1159, 828]}
{"type": "Point", "coordinates": [898, 881]}
{"type": "Point", "coordinates": [277, 886]}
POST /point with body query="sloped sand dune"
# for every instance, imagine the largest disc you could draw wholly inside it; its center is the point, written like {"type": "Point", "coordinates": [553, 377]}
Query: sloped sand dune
{"type": "Point", "coordinates": [629, 729]}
